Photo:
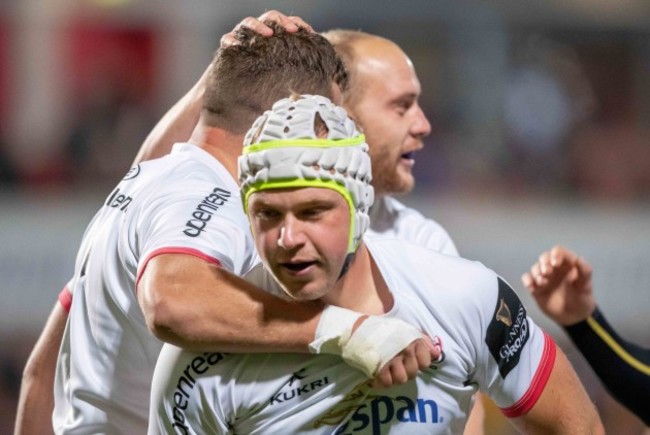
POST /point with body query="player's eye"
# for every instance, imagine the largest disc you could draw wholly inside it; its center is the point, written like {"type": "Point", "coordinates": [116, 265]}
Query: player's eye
{"type": "Point", "coordinates": [266, 214]}
{"type": "Point", "coordinates": [311, 213]}
{"type": "Point", "coordinates": [404, 105]}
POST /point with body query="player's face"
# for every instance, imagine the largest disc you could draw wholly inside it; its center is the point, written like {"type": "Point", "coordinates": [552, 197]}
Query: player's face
{"type": "Point", "coordinates": [387, 108]}
{"type": "Point", "coordinates": [302, 236]}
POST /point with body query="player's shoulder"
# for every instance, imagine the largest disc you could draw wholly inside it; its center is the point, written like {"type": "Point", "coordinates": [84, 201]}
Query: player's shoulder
{"type": "Point", "coordinates": [186, 174]}
{"type": "Point", "coordinates": [408, 256]}
{"type": "Point", "coordinates": [391, 218]}
{"type": "Point", "coordinates": [185, 164]}
{"type": "Point", "coordinates": [412, 217]}
{"type": "Point", "coordinates": [460, 287]}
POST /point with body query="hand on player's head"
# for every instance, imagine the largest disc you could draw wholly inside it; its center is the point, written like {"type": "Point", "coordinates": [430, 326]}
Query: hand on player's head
{"type": "Point", "coordinates": [289, 23]}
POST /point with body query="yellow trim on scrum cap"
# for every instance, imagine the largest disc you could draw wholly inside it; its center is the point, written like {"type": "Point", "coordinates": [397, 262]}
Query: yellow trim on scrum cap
{"type": "Point", "coordinates": [301, 182]}
{"type": "Point", "coordinates": [316, 143]}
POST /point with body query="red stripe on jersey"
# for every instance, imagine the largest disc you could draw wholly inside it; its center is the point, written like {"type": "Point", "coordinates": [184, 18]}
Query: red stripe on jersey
{"type": "Point", "coordinates": [538, 383]}
{"type": "Point", "coordinates": [175, 250]}
{"type": "Point", "coordinates": [65, 298]}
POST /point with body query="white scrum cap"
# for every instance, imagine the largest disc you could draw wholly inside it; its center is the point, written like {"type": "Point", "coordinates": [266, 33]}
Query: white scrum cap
{"type": "Point", "coordinates": [308, 141]}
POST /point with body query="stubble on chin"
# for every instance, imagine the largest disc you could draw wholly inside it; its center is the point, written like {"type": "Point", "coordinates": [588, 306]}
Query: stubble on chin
{"type": "Point", "coordinates": [394, 185]}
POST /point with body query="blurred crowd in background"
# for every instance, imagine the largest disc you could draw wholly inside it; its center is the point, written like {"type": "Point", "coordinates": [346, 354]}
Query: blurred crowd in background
{"type": "Point", "coordinates": [550, 100]}
{"type": "Point", "coordinates": [526, 99]}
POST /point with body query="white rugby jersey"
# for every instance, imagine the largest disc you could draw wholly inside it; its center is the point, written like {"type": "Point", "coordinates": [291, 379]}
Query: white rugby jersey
{"type": "Point", "coordinates": [389, 218]}
{"type": "Point", "coordinates": [489, 344]}
{"type": "Point", "coordinates": [185, 202]}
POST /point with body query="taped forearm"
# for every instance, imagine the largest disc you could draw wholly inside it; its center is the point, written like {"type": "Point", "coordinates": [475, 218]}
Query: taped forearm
{"type": "Point", "coordinates": [375, 342]}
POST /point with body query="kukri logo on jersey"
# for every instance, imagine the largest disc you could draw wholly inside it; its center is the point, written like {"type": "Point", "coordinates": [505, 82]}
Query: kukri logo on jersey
{"type": "Point", "coordinates": [297, 387]}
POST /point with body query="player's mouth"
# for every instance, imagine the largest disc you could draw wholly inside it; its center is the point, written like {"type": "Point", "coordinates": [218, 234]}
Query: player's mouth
{"type": "Point", "coordinates": [409, 155]}
{"type": "Point", "coordinates": [297, 267]}
{"type": "Point", "coordinates": [408, 159]}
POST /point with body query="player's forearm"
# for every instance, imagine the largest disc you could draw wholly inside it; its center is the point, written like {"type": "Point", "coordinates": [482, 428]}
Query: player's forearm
{"type": "Point", "coordinates": [198, 306]}
{"type": "Point", "coordinates": [563, 407]}
{"type": "Point", "coordinates": [237, 326]}
{"type": "Point", "coordinates": [175, 126]}
{"type": "Point", "coordinates": [36, 401]}
{"type": "Point", "coordinates": [35, 406]}
{"type": "Point", "coordinates": [475, 424]}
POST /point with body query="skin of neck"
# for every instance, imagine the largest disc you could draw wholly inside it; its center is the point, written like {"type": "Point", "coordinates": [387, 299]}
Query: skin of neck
{"type": "Point", "coordinates": [221, 144]}
{"type": "Point", "coordinates": [362, 288]}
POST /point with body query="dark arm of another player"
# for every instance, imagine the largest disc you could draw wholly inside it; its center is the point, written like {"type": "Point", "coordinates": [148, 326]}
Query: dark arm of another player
{"type": "Point", "coordinates": [623, 367]}
{"type": "Point", "coordinates": [36, 401]}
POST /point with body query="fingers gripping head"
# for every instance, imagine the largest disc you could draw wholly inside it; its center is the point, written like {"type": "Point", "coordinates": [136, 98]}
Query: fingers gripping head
{"type": "Point", "coordinates": [307, 141]}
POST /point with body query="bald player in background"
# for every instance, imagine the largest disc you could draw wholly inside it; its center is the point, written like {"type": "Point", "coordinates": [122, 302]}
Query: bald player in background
{"type": "Point", "coordinates": [383, 98]}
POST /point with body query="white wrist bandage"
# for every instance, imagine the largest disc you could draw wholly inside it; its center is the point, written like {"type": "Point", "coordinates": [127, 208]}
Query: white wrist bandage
{"type": "Point", "coordinates": [375, 342]}
{"type": "Point", "coordinates": [335, 323]}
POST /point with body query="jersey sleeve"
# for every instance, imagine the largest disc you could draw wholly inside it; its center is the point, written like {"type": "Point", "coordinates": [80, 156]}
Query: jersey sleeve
{"type": "Point", "coordinates": [623, 367]}
{"type": "Point", "coordinates": [517, 355]}
{"type": "Point", "coordinates": [65, 297]}
{"type": "Point", "coordinates": [414, 226]}
{"type": "Point", "coordinates": [434, 236]}
{"type": "Point", "coordinates": [389, 218]}
{"type": "Point", "coordinates": [208, 223]}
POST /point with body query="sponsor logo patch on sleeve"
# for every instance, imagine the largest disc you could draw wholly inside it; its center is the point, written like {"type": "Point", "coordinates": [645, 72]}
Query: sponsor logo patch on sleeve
{"type": "Point", "coordinates": [508, 331]}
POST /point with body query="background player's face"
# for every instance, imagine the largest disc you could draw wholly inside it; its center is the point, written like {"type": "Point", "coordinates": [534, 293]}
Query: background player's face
{"type": "Point", "coordinates": [302, 236]}
{"type": "Point", "coordinates": [387, 108]}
